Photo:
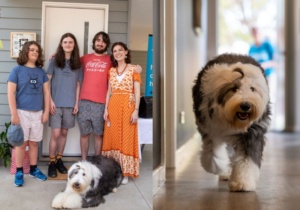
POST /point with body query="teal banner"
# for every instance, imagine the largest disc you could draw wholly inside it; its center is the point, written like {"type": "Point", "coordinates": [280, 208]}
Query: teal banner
{"type": "Point", "coordinates": [149, 70]}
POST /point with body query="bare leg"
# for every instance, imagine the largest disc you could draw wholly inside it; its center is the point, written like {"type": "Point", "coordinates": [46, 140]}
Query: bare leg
{"type": "Point", "coordinates": [33, 152]}
{"type": "Point", "coordinates": [84, 145]}
{"type": "Point", "coordinates": [98, 144]}
{"type": "Point", "coordinates": [62, 141]}
{"type": "Point", "coordinates": [55, 133]}
{"type": "Point", "coordinates": [20, 152]}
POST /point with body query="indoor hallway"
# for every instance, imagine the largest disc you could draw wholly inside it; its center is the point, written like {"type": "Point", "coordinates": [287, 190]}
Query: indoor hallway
{"type": "Point", "coordinates": [189, 187]}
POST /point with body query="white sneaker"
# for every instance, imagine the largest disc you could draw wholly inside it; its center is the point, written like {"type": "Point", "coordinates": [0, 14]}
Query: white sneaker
{"type": "Point", "coordinates": [125, 180]}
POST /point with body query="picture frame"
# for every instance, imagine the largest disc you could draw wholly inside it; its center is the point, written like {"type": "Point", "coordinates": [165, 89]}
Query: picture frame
{"type": "Point", "coordinates": [17, 40]}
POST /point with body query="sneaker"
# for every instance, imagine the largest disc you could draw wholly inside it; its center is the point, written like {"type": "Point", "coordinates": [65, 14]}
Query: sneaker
{"type": "Point", "coordinates": [38, 175]}
{"type": "Point", "coordinates": [125, 180]}
{"type": "Point", "coordinates": [52, 170]}
{"type": "Point", "coordinates": [61, 167]}
{"type": "Point", "coordinates": [19, 179]}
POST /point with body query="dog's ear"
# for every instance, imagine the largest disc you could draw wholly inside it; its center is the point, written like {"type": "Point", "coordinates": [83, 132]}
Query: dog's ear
{"type": "Point", "coordinates": [92, 183]}
{"type": "Point", "coordinates": [73, 172]}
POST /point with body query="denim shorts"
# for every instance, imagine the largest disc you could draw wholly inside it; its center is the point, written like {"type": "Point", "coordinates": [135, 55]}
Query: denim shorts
{"type": "Point", "coordinates": [90, 117]}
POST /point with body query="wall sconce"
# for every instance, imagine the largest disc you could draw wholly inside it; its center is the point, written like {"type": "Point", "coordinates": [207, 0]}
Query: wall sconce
{"type": "Point", "coordinates": [197, 16]}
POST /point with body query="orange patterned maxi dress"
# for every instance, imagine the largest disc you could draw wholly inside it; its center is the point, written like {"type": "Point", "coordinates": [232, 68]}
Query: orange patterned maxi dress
{"type": "Point", "coordinates": [121, 137]}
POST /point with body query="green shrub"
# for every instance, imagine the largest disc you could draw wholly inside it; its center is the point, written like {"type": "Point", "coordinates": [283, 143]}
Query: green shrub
{"type": "Point", "coordinates": [5, 147]}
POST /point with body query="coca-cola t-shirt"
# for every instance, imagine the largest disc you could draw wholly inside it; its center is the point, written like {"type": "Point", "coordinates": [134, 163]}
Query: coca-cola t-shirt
{"type": "Point", "coordinates": [95, 73]}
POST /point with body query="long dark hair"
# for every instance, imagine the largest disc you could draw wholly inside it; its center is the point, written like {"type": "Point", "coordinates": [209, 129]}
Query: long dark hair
{"type": "Point", "coordinates": [23, 55]}
{"type": "Point", "coordinates": [127, 60]}
{"type": "Point", "coordinates": [60, 54]}
{"type": "Point", "coordinates": [105, 38]}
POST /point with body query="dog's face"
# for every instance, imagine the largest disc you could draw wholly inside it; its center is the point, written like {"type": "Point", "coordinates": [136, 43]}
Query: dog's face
{"type": "Point", "coordinates": [236, 93]}
{"type": "Point", "coordinates": [78, 177]}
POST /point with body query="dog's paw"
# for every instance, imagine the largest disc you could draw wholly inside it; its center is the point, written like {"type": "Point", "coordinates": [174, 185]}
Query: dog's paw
{"type": "Point", "coordinates": [57, 202]}
{"type": "Point", "coordinates": [56, 205]}
{"type": "Point", "coordinates": [241, 186]}
{"type": "Point", "coordinates": [223, 178]}
{"type": "Point", "coordinates": [114, 190]}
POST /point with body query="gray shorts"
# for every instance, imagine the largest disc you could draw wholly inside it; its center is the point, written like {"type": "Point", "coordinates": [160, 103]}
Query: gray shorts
{"type": "Point", "coordinates": [90, 117]}
{"type": "Point", "coordinates": [63, 118]}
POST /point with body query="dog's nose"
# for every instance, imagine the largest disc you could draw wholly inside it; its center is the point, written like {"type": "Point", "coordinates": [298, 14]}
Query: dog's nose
{"type": "Point", "coordinates": [76, 184]}
{"type": "Point", "coordinates": [245, 106]}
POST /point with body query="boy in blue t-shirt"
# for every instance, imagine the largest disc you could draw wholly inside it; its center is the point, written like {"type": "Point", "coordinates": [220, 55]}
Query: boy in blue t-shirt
{"type": "Point", "coordinates": [28, 95]}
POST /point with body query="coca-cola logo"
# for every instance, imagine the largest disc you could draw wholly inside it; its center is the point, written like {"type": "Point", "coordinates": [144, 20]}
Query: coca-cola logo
{"type": "Point", "coordinates": [100, 64]}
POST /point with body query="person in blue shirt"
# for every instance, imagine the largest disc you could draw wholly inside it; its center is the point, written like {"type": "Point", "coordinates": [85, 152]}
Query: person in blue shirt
{"type": "Point", "coordinates": [262, 51]}
{"type": "Point", "coordinates": [29, 102]}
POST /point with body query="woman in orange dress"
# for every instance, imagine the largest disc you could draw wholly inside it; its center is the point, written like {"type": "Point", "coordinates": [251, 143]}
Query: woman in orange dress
{"type": "Point", "coordinates": [121, 112]}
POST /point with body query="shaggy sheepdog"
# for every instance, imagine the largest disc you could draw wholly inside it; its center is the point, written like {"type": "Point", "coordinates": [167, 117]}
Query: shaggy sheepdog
{"type": "Point", "coordinates": [88, 182]}
{"type": "Point", "coordinates": [232, 111]}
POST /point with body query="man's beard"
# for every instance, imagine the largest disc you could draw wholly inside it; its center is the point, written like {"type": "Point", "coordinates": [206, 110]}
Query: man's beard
{"type": "Point", "coordinates": [101, 51]}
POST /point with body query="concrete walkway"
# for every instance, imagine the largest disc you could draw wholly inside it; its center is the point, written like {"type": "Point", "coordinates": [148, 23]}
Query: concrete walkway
{"type": "Point", "coordinates": [38, 195]}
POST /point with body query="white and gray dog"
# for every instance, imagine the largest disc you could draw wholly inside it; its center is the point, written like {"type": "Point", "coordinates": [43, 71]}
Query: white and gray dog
{"type": "Point", "coordinates": [232, 110]}
{"type": "Point", "coordinates": [88, 182]}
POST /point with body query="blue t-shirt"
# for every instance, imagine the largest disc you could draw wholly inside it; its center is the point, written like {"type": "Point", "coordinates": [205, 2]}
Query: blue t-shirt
{"type": "Point", "coordinates": [29, 91]}
{"type": "Point", "coordinates": [263, 53]}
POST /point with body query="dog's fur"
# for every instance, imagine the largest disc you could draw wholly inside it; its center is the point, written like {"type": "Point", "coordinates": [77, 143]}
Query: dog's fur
{"type": "Point", "coordinates": [232, 111]}
{"type": "Point", "coordinates": [88, 182]}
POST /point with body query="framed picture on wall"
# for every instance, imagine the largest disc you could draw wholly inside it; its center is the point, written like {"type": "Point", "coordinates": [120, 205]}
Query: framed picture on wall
{"type": "Point", "coordinates": [17, 40]}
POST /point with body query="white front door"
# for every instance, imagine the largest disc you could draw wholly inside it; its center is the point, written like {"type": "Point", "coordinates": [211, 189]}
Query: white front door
{"type": "Point", "coordinates": [84, 21]}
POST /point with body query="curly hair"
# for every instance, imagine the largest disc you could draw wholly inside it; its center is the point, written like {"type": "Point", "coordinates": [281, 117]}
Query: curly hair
{"type": "Point", "coordinates": [23, 55]}
{"type": "Point", "coordinates": [60, 54]}
{"type": "Point", "coordinates": [105, 38]}
{"type": "Point", "coordinates": [128, 57]}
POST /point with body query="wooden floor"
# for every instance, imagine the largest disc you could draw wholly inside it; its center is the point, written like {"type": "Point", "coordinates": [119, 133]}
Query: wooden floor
{"type": "Point", "coordinates": [189, 187]}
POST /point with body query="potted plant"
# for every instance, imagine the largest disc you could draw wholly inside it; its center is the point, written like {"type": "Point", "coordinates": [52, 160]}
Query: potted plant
{"type": "Point", "coordinates": [5, 147]}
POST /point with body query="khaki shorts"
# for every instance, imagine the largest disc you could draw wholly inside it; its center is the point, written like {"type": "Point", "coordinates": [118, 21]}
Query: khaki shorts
{"type": "Point", "coordinates": [31, 123]}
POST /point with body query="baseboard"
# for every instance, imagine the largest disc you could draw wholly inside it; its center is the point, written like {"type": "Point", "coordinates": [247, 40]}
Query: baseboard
{"type": "Point", "coordinates": [192, 146]}
{"type": "Point", "coordinates": [159, 177]}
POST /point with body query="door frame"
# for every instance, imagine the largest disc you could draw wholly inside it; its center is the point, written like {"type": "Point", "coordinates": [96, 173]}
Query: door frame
{"type": "Point", "coordinates": [165, 62]}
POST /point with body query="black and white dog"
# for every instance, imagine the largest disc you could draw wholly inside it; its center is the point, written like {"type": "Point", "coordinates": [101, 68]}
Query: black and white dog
{"type": "Point", "coordinates": [88, 182]}
{"type": "Point", "coordinates": [232, 110]}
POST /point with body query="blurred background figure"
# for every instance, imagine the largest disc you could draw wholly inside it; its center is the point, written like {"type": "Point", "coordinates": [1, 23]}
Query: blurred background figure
{"type": "Point", "coordinates": [262, 51]}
